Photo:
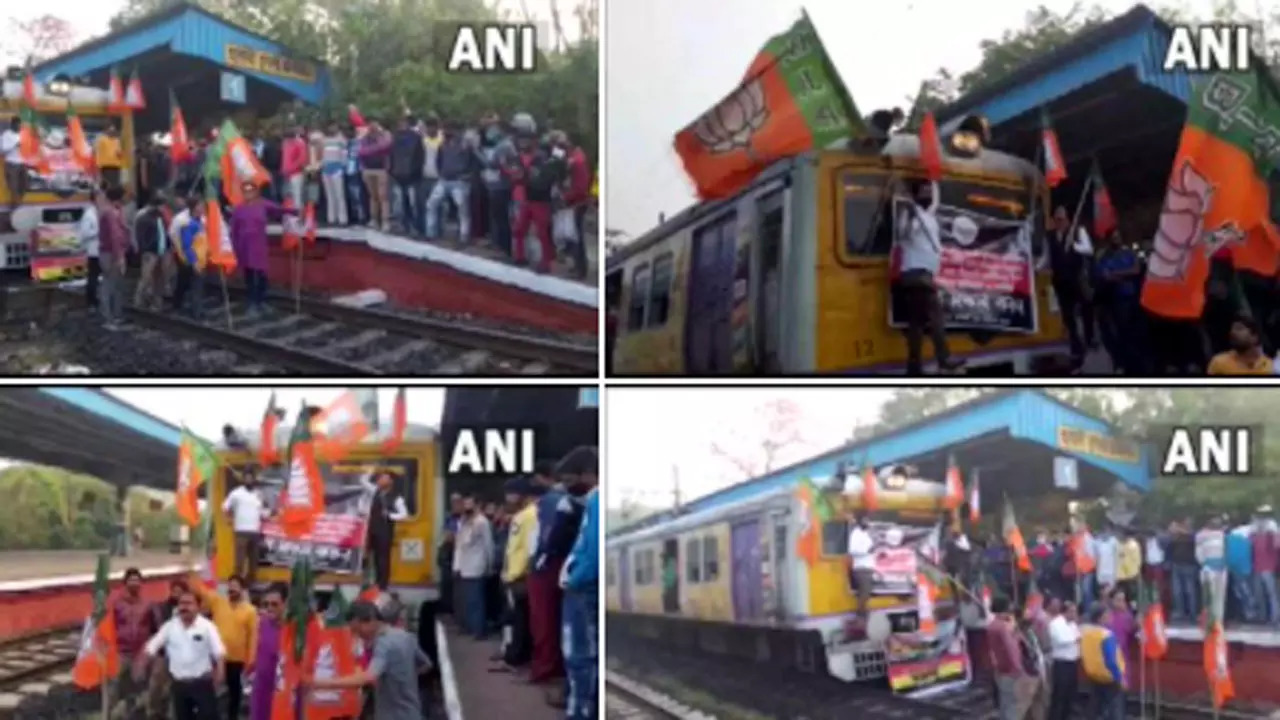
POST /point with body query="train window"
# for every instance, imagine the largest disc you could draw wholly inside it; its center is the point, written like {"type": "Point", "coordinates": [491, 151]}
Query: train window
{"type": "Point", "coordinates": [639, 297]}
{"type": "Point", "coordinates": [867, 219]}
{"type": "Point", "coordinates": [645, 572]}
{"type": "Point", "coordinates": [835, 537]}
{"type": "Point", "coordinates": [710, 558]}
{"type": "Point", "coordinates": [693, 561]}
{"type": "Point", "coordinates": [660, 290]}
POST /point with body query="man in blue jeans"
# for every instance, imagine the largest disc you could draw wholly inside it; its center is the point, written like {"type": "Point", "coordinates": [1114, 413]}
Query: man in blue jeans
{"type": "Point", "coordinates": [472, 555]}
{"type": "Point", "coordinates": [1266, 546]}
{"type": "Point", "coordinates": [581, 585]}
{"type": "Point", "coordinates": [1185, 571]}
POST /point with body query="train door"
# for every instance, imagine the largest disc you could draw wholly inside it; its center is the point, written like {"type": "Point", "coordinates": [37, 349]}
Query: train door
{"type": "Point", "coordinates": [624, 579]}
{"type": "Point", "coordinates": [767, 282]}
{"type": "Point", "coordinates": [708, 332]}
{"type": "Point", "coordinates": [778, 557]}
{"type": "Point", "coordinates": [748, 582]}
{"type": "Point", "coordinates": [671, 576]}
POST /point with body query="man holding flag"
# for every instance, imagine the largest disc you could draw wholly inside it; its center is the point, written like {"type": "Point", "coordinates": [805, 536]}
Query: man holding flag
{"type": "Point", "coordinates": [195, 654]}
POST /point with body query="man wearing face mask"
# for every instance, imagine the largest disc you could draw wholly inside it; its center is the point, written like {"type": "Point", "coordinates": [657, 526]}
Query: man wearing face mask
{"type": "Point", "coordinates": [237, 623]}
{"type": "Point", "coordinates": [575, 193]}
{"type": "Point", "coordinates": [500, 156]}
{"type": "Point", "coordinates": [472, 553]}
{"type": "Point", "coordinates": [387, 509]}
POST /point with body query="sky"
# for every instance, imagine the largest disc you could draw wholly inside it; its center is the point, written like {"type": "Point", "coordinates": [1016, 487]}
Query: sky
{"type": "Point", "coordinates": [648, 445]}
{"type": "Point", "coordinates": [90, 17]}
{"type": "Point", "coordinates": [668, 61]}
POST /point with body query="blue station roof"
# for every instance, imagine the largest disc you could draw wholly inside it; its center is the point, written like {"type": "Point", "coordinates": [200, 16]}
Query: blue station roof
{"type": "Point", "coordinates": [187, 29]}
{"type": "Point", "coordinates": [1010, 435]}
{"type": "Point", "coordinates": [90, 431]}
{"type": "Point", "coordinates": [1135, 42]}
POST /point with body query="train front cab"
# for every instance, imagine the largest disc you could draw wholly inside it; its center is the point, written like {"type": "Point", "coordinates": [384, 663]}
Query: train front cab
{"type": "Point", "coordinates": [415, 470]}
{"type": "Point", "coordinates": [792, 275]}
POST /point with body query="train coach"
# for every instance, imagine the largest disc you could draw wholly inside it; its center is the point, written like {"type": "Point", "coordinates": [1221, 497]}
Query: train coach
{"type": "Point", "coordinates": [768, 573]}
{"type": "Point", "coordinates": [337, 547]}
{"type": "Point", "coordinates": [794, 273]}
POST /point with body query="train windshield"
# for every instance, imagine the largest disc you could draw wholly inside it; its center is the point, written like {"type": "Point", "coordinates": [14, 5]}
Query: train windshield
{"type": "Point", "coordinates": [867, 207]}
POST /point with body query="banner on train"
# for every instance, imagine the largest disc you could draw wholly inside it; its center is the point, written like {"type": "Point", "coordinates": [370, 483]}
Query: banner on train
{"type": "Point", "coordinates": [896, 549]}
{"type": "Point", "coordinates": [915, 663]}
{"type": "Point", "coordinates": [986, 280]}
{"type": "Point", "coordinates": [337, 543]}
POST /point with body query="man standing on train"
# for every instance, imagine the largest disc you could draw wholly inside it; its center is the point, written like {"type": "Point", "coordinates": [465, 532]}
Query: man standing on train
{"type": "Point", "coordinates": [862, 565]}
{"type": "Point", "coordinates": [246, 508]}
{"type": "Point", "coordinates": [386, 509]}
{"type": "Point", "coordinates": [920, 241]}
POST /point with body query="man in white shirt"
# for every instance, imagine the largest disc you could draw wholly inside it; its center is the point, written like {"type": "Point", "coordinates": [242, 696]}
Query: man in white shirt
{"type": "Point", "coordinates": [1211, 553]}
{"type": "Point", "coordinates": [920, 241]}
{"type": "Point", "coordinates": [1106, 551]}
{"type": "Point", "coordinates": [472, 555]}
{"type": "Point", "coordinates": [1064, 651]}
{"type": "Point", "coordinates": [194, 652]}
{"type": "Point", "coordinates": [862, 564]}
{"type": "Point", "coordinates": [15, 170]}
{"type": "Point", "coordinates": [87, 230]}
{"type": "Point", "coordinates": [246, 509]}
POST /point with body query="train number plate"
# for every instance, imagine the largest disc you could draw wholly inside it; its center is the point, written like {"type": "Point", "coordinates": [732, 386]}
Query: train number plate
{"type": "Point", "coordinates": [907, 622]}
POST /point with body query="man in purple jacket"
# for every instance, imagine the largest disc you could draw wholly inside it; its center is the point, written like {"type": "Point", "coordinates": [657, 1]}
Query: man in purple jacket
{"type": "Point", "coordinates": [262, 667]}
{"type": "Point", "coordinates": [249, 240]}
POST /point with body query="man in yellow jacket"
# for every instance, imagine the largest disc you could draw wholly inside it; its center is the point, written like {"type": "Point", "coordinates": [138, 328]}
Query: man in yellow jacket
{"type": "Point", "coordinates": [522, 541]}
{"type": "Point", "coordinates": [237, 622]}
{"type": "Point", "coordinates": [1103, 663]}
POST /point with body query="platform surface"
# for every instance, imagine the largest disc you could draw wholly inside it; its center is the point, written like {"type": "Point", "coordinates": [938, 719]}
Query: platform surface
{"type": "Point", "coordinates": [483, 694]}
{"type": "Point", "coordinates": [16, 566]}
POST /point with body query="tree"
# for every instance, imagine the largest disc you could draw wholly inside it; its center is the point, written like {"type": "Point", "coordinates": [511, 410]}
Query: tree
{"type": "Point", "coordinates": [388, 56]}
{"type": "Point", "coordinates": [41, 38]}
{"type": "Point", "coordinates": [761, 447]}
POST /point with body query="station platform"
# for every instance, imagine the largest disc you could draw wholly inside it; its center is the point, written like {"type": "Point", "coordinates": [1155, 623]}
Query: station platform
{"type": "Point", "coordinates": [44, 590]}
{"type": "Point", "coordinates": [471, 691]}
{"type": "Point", "coordinates": [440, 276]}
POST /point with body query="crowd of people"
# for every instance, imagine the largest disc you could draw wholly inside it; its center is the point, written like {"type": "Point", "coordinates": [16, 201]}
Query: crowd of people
{"type": "Point", "coordinates": [528, 570]}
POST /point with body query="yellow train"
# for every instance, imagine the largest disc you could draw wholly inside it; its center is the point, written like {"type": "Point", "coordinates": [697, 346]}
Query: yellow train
{"type": "Point", "coordinates": [756, 561]}
{"type": "Point", "coordinates": [338, 542]}
{"type": "Point", "coordinates": [792, 275]}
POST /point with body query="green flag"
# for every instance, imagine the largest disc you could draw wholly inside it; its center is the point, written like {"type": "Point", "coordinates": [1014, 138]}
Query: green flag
{"type": "Point", "coordinates": [821, 503]}
{"type": "Point", "coordinates": [101, 588]}
{"type": "Point", "coordinates": [298, 611]}
{"type": "Point", "coordinates": [336, 616]}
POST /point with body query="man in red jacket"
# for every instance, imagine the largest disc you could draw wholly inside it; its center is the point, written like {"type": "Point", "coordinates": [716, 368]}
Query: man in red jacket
{"type": "Point", "coordinates": [576, 193]}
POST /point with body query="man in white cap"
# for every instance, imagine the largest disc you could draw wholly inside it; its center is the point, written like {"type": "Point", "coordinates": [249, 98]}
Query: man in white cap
{"type": "Point", "coordinates": [1266, 548]}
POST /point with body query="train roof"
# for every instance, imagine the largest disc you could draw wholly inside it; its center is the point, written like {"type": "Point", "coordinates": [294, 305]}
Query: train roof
{"type": "Point", "coordinates": [83, 97]}
{"type": "Point", "coordinates": [412, 433]}
{"type": "Point", "coordinates": [899, 146]}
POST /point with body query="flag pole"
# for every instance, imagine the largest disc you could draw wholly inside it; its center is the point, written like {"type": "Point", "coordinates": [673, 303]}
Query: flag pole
{"type": "Point", "coordinates": [226, 299]}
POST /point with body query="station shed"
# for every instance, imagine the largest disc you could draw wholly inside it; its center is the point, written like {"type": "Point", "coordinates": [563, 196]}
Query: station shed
{"type": "Point", "coordinates": [90, 431]}
{"type": "Point", "coordinates": [213, 66]}
{"type": "Point", "coordinates": [1108, 98]}
{"type": "Point", "coordinates": [1010, 438]}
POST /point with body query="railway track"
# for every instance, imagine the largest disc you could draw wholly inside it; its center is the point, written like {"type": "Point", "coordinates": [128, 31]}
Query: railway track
{"type": "Point", "coordinates": [330, 339]}
{"type": "Point", "coordinates": [775, 692]}
{"type": "Point", "coordinates": [32, 658]}
{"type": "Point", "coordinates": [625, 699]}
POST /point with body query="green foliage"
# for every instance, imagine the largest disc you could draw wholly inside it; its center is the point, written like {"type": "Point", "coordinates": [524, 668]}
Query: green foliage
{"type": "Point", "coordinates": [386, 56]}
{"type": "Point", "coordinates": [49, 508]}
{"type": "Point", "coordinates": [1146, 414]}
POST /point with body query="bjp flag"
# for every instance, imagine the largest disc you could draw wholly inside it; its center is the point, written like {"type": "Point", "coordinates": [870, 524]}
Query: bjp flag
{"type": "Point", "coordinates": [98, 659]}
{"type": "Point", "coordinates": [399, 422]}
{"type": "Point", "coordinates": [197, 463]}
{"type": "Point", "coordinates": [790, 101]}
{"type": "Point", "coordinates": [345, 423]}
{"type": "Point", "coordinates": [331, 654]}
{"type": "Point", "coordinates": [1218, 195]}
{"type": "Point", "coordinates": [302, 499]}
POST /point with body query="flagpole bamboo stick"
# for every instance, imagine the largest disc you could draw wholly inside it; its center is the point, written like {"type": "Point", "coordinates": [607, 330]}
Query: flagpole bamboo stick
{"type": "Point", "coordinates": [226, 300]}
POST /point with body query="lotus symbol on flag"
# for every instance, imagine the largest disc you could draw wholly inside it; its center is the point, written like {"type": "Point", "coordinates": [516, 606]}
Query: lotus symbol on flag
{"type": "Point", "coordinates": [299, 487]}
{"type": "Point", "coordinates": [184, 474]}
{"type": "Point", "coordinates": [1188, 198]}
{"type": "Point", "coordinates": [326, 669]}
{"type": "Point", "coordinates": [280, 682]}
{"type": "Point", "coordinates": [731, 124]}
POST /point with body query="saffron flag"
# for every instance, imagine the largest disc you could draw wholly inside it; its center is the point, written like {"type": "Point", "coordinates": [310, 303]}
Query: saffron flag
{"type": "Point", "coordinates": [217, 233]}
{"type": "Point", "coordinates": [133, 97]}
{"type": "Point", "coordinates": [1055, 167]}
{"type": "Point", "coordinates": [115, 92]}
{"type": "Point", "coordinates": [790, 101]}
{"type": "Point", "coordinates": [98, 659]}
{"type": "Point", "coordinates": [809, 539]}
{"type": "Point", "coordinates": [1155, 635]}
{"type": "Point", "coordinates": [81, 150]}
{"type": "Point", "coordinates": [1218, 194]}
{"type": "Point", "coordinates": [369, 590]}
{"type": "Point", "coordinates": [346, 422]}
{"type": "Point", "coordinates": [302, 499]}
{"type": "Point", "coordinates": [870, 490]}
{"type": "Point", "coordinates": [926, 602]}
{"type": "Point", "coordinates": [399, 421]}
{"type": "Point", "coordinates": [297, 227]}
{"type": "Point", "coordinates": [930, 148]}
{"type": "Point", "coordinates": [30, 144]}
{"type": "Point", "coordinates": [1013, 536]}
{"type": "Point", "coordinates": [955, 485]}
{"type": "Point", "coordinates": [1104, 213]}
{"type": "Point", "coordinates": [975, 500]}
{"type": "Point", "coordinates": [1035, 600]}
{"type": "Point", "coordinates": [29, 96]}
{"type": "Point", "coordinates": [239, 163]}
{"type": "Point", "coordinates": [197, 463]}
{"type": "Point", "coordinates": [1216, 667]}
{"type": "Point", "coordinates": [330, 654]}
{"type": "Point", "coordinates": [179, 138]}
{"type": "Point", "coordinates": [268, 453]}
